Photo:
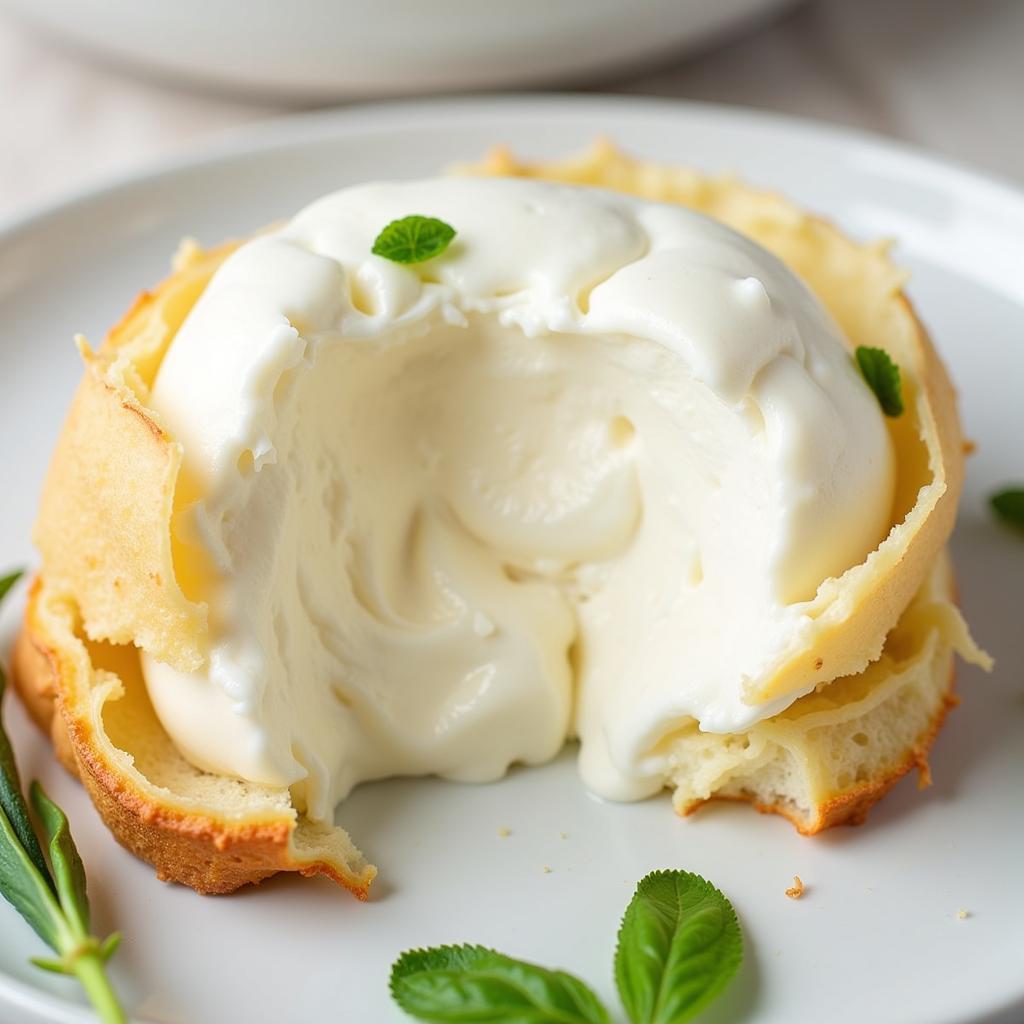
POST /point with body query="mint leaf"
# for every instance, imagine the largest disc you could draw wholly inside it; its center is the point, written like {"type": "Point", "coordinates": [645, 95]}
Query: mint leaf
{"type": "Point", "coordinates": [473, 985]}
{"type": "Point", "coordinates": [883, 377]}
{"type": "Point", "coordinates": [68, 870]}
{"type": "Point", "coordinates": [679, 946]}
{"type": "Point", "coordinates": [413, 239]}
{"type": "Point", "coordinates": [1009, 505]}
{"type": "Point", "coordinates": [8, 581]}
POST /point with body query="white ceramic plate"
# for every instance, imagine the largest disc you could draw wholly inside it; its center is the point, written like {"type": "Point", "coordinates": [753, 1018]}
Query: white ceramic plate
{"type": "Point", "coordinates": [877, 936]}
{"type": "Point", "coordinates": [327, 49]}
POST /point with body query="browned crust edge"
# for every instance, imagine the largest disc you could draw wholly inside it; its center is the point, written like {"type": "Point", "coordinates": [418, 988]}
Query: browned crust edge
{"type": "Point", "coordinates": [210, 856]}
{"type": "Point", "coordinates": [852, 806]}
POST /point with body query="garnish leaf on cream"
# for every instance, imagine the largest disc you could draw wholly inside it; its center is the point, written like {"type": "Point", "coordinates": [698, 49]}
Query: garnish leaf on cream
{"type": "Point", "coordinates": [8, 581]}
{"type": "Point", "coordinates": [679, 946]}
{"type": "Point", "coordinates": [883, 377]}
{"type": "Point", "coordinates": [50, 897]}
{"type": "Point", "coordinates": [1008, 504]}
{"type": "Point", "coordinates": [413, 239]}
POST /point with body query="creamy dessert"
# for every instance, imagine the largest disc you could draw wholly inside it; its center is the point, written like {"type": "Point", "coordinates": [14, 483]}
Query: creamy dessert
{"type": "Point", "coordinates": [580, 475]}
{"type": "Point", "coordinates": [605, 469]}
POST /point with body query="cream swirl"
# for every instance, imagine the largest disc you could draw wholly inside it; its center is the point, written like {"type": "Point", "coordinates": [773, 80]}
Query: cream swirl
{"type": "Point", "coordinates": [577, 476]}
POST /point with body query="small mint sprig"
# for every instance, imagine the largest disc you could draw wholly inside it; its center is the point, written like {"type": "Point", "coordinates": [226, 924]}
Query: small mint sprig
{"type": "Point", "coordinates": [883, 377]}
{"type": "Point", "coordinates": [679, 946]}
{"type": "Point", "coordinates": [51, 897]}
{"type": "Point", "coordinates": [413, 239]}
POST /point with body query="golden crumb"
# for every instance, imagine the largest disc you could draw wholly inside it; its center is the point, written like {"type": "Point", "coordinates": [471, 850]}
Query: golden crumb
{"type": "Point", "coordinates": [796, 890]}
{"type": "Point", "coordinates": [962, 915]}
{"type": "Point", "coordinates": [504, 831]}
{"type": "Point", "coordinates": [547, 870]}
{"type": "Point", "coordinates": [969, 446]}
{"type": "Point", "coordinates": [563, 835]}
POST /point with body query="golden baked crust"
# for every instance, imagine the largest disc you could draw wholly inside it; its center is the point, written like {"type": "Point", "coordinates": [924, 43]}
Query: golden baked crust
{"type": "Point", "coordinates": [878, 645]}
{"type": "Point", "coordinates": [102, 528]}
{"type": "Point", "coordinates": [91, 701]}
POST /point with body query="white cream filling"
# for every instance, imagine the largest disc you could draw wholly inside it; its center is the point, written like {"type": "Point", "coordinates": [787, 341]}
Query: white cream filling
{"type": "Point", "coordinates": [578, 476]}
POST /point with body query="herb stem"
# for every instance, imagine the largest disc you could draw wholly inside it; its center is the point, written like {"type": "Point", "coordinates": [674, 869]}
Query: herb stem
{"type": "Point", "coordinates": [91, 973]}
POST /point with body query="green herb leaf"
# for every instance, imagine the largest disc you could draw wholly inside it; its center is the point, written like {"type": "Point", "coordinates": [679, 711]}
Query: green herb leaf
{"type": "Point", "coordinates": [883, 377]}
{"type": "Point", "coordinates": [26, 890]}
{"type": "Point", "coordinates": [68, 870]}
{"type": "Point", "coordinates": [11, 801]}
{"type": "Point", "coordinates": [8, 581]}
{"type": "Point", "coordinates": [679, 946]}
{"type": "Point", "coordinates": [46, 964]}
{"type": "Point", "coordinates": [24, 876]}
{"type": "Point", "coordinates": [413, 239]}
{"type": "Point", "coordinates": [109, 946]}
{"type": "Point", "coordinates": [58, 910]}
{"type": "Point", "coordinates": [1009, 505]}
{"type": "Point", "coordinates": [473, 985]}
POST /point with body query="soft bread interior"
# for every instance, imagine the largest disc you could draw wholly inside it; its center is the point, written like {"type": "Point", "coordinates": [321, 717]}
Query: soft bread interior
{"type": "Point", "coordinates": [833, 753]}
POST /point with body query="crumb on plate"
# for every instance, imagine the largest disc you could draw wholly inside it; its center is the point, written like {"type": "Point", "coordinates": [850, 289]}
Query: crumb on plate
{"type": "Point", "coordinates": [796, 890]}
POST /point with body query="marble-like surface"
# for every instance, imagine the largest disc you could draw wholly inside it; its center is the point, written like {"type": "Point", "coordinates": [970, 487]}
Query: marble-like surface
{"type": "Point", "coordinates": [944, 74]}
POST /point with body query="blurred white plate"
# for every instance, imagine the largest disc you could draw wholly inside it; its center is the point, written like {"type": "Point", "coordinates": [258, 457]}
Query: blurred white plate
{"type": "Point", "coordinates": [323, 49]}
{"type": "Point", "coordinates": [877, 936]}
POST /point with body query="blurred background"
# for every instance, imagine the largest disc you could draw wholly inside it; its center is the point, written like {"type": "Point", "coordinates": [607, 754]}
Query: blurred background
{"type": "Point", "coordinates": [99, 88]}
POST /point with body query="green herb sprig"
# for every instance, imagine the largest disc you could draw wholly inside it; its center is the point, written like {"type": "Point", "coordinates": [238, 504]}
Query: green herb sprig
{"type": "Point", "coordinates": [413, 239]}
{"type": "Point", "coordinates": [883, 377]}
{"type": "Point", "coordinates": [52, 896]}
{"type": "Point", "coordinates": [1008, 504]}
{"type": "Point", "coordinates": [679, 946]}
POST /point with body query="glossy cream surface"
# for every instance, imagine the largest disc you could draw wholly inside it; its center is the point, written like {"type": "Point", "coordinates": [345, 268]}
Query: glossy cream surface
{"type": "Point", "coordinates": [578, 476]}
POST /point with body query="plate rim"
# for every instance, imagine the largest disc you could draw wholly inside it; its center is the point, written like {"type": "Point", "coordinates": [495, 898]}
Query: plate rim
{"type": "Point", "coordinates": [305, 127]}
